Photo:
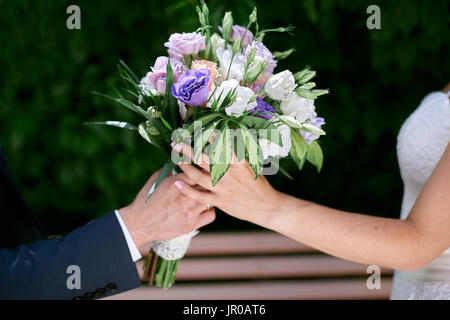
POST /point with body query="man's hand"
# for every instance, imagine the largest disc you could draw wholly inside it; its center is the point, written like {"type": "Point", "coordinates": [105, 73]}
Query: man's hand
{"type": "Point", "coordinates": [166, 214]}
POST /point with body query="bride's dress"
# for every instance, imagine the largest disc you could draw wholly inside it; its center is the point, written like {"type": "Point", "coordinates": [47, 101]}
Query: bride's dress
{"type": "Point", "coordinates": [421, 143]}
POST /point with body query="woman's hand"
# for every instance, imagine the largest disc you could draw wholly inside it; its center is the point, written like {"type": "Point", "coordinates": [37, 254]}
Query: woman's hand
{"type": "Point", "coordinates": [238, 193]}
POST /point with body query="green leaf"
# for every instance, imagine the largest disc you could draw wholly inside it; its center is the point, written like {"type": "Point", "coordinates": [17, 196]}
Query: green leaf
{"type": "Point", "coordinates": [148, 137]}
{"type": "Point", "coordinates": [216, 101]}
{"type": "Point", "coordinates": [313, 129]}
{"type": "Point", "coordinates": [289, 121]}
{"type": "Point", "coordinates": [221, 154]}
{"type": "Point", "coordinates": [315, 155]}
{"type": "Point", "coordinates": [201, 139]}
{"type": "Point", "coordinates": [299, 148]}
{"type": "Point", "coordinates": [305, 93]}
{"type": "Point", "coordinates": [129, 71]}
{"type": "Point", "coordinates": [170, 110]}
{"type": "Point", "coordinates": [265, 129]}
{"type": "Point", "coordinates": [285, 173]}
{"type": "Point", "coordinates": [229, 98]}
{"type": "Point", "coordinates": [168, 126]}
{"type": "Point", "coordinates": [118, 124]}
{"type": "Point", "coordinates": [239, 144]}
{"type": "Point", "coordinates": [128, 104]}
{"type": "Point", "coordinates": [283, 55]}
{"type": "Point", "coordinates": [204, 122]}
{"type": "Point", "coordinates": [166, 169]}
{"type": "Point", "coordinates": [253, 152]}
{"type": "Point", "coordinates": [280, 168]}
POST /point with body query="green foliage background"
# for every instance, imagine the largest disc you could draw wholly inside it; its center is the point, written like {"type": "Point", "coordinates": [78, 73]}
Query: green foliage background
{"type": "Point", "coordinates": [71, 173]}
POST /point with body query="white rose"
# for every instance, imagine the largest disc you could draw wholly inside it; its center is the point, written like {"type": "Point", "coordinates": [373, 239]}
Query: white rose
{"type": "Point", "coordinates": [147, 86]}
{"type": "Point", "coordinates": [242, 104]}
{"type": "Point", "coordinates": [270, 149]}
{"type": "Point", "coordinates": [237, 67]}
{"type": "Point", "coordinates": [222, 91]}
{"type": "Point", "coordinates": [280, 85]}
{"type": "Point", "coordinates": [243, 95]}
{"type": "Point", "coordinates": [298, 107]}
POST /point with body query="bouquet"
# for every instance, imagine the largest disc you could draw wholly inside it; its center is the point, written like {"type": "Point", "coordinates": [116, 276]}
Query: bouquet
{"type": "Point", "coordinates": [219, 92]}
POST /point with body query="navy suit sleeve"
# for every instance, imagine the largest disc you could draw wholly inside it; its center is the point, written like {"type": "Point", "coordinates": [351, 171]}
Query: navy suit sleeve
{"type": "Point", "coordinates": [40, 270]}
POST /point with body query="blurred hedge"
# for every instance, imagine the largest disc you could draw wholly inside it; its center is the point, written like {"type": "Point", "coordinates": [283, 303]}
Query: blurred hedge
{"type": "Point", "coordinates": [70, 173]}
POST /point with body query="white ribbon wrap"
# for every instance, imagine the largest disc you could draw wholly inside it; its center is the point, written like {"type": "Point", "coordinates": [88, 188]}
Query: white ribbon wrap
{"type": "Point", "coordinates": [173, 249]}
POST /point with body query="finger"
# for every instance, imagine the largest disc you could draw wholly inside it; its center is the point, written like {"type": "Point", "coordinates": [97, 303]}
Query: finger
{"type": "Point", "coordinates": [187, 150]}
{"type": "Point", "coordinates": [197, 175]}
{"type": "Point", "coordinates": [206, 217]}
{"type": "Point", "coordinates": [184, 177]}
{"type": "Point", "coordinates": [204, 197]}
{"type": "Point", "coordinates": [199, 188]}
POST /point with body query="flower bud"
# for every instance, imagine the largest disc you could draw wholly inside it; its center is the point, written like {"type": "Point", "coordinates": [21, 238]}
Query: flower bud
{"type": "Point", "coordinates": [251, 56]}
{"type": "Point", "coordinates": [252, 16]}
{"type": "Point", "coordinates": [256, 68]}
{"type": "Point", "coordinates": [204, 8]}
{"type": "Point", "coordinates": [236, 45]}
{"type": "Point", "coordinates": [227, 25]}
{"type": "Point", "coordinates": [151, 129]}
{"type": "Point", "coordinates": [153, 112]}
{"type": "Point", "coordinates": [283, 54]}
{"type": "Point", "coordinates": [216, 42]}
{"type": "Point", "coordinates": [201, 16]}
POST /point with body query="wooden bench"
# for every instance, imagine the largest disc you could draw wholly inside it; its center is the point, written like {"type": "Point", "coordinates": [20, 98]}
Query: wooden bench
{"type": "Point", "coordinates": [263, 265]}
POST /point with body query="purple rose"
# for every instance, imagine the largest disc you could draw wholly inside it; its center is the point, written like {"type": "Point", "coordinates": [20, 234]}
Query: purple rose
{"type": "Point", "coordinates": [308, 136]}
{"type": "Point", "coordinates": [257, 87]}
{"type": "Point", "coordinates": [262, 106]}
{"type": "Point", "coordinates": [181, 44]}
{"type": "Point", "coordinates": [238, 32]}
{"type": "Point", "coordinates": [156, 78]}
{"type": "Point", "coordinates": [192, 87]}
{"type": "Point", "coordinates": [161, 67]}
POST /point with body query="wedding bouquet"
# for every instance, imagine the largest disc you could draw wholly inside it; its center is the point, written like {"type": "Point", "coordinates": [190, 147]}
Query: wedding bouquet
{"type": "Point", "coordinates": [218, 91]}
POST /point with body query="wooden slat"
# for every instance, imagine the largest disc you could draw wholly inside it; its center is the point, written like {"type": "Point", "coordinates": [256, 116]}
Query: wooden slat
{"type": "Point", "coordinates": [269, 267]}
{"type": "Point", "coordinates": [258, 242]}
{"type": "Point", "coordinates": [269, 290]}
{"type": "Point", "coordinates": [260, 260]}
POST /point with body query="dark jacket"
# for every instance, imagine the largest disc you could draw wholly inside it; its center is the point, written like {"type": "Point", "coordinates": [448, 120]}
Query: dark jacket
{"type": "Point", "coordinates": [34, 268]}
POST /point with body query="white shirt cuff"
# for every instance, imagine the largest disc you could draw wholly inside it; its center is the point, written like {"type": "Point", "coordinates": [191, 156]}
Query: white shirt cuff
{"type": "Point", "coordinates": [135, 254]}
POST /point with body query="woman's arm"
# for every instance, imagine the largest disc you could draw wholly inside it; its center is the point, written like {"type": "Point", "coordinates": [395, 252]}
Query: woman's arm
{"type": "Point", "coordinates": [400, 244]}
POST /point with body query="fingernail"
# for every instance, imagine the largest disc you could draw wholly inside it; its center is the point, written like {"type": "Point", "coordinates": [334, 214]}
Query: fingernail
{"type": "Point", "coordinates": [177, 147]}
{"type": "Point", "coordinates": [178, 184]}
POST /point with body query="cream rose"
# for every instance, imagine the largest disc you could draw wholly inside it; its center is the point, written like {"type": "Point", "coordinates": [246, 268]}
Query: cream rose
{"type": "Point", "coordinates": [280, 85]}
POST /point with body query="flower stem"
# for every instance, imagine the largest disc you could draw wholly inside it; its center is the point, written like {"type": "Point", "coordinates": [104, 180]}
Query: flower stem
{"type": "Point", "coordinates": [229, 67]}
{"type": "Point", "coordinates": [165, 273]}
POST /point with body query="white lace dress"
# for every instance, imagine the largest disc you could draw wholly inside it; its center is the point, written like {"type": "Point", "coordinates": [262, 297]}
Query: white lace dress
{"type": "Point", "coordinates": [421, 143]}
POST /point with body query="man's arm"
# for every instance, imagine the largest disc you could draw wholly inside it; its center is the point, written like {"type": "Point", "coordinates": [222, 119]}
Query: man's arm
{"type": "Point", "coordinates": [97, 259]}
{"type": "Point", "coordinates": [91, 262]}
